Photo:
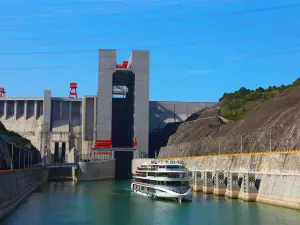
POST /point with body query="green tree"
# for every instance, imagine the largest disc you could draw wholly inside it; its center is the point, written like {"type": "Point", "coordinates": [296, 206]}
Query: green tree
{"type": "Point", "coordinates": [238, 103]}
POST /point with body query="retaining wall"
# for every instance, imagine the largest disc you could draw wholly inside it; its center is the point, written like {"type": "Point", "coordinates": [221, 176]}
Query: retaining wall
{"type": "Point", "coordinates": [16, 185]}
{"type": "Point", "coordinates": [92, 171]}
{"type": "Point", "coordinates": [279, 178]}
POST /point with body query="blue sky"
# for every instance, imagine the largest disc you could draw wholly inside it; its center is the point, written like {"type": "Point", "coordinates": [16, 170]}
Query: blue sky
{"type": "Point", "coordinates": [199, 48]}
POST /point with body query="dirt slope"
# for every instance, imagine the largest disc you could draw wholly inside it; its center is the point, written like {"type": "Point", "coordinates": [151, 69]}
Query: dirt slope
{"type": "Point", "coordinates": [277, 119]}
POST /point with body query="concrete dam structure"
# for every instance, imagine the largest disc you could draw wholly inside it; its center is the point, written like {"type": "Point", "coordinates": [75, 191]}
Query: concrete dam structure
{"type": "Point", "coordinates": [61, 123]}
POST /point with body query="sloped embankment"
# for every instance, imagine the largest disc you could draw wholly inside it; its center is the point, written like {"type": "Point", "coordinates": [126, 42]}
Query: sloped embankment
{"type": "Point", "coordinates": [271, 125]}
{"type": "Point", "coordinates": [12, 144]}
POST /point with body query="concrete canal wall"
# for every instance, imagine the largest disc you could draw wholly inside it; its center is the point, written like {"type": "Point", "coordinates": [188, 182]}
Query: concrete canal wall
{"type": "Point", "coordinates": [272, 178]}
{"type": "Point", "coordinates": [16, 185]}
{"type": "Point", "coordinates": [92, 171]}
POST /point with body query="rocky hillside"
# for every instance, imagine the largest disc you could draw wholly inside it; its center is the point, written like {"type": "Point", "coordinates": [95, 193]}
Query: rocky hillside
{"type": "Point", "coordinates": [259, 120]}
{"type": "Point", "coordinates": [20, 145]}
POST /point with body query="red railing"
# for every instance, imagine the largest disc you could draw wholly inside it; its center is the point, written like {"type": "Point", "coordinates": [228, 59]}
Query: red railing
{"type": "Point", "coordinates": [103, 153]}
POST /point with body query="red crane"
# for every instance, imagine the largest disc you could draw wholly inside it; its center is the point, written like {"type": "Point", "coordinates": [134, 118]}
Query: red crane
{"type": "Point", "coordinates": [73, 90]}
{"type": "Point", "coordinates": [2, 92]}
{"type": "Point", "coordinates": [123, 65]}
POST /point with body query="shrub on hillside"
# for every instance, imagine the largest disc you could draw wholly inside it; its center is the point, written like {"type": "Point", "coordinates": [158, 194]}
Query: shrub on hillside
{"type": "Point", "coordinates": [235, 105]}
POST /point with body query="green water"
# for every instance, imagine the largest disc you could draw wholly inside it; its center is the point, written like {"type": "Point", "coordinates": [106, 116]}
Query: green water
{"type": "Point", "coordinates": [111, 202]}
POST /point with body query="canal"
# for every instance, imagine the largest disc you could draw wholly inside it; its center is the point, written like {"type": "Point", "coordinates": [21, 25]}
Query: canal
{"type": "Point", "coordinates": [111, 202]}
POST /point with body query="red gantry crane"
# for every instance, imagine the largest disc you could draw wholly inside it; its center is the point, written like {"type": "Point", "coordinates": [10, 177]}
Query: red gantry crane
{"type": "Point", "coordinates": [2, 92]}
{"type": "Point", "coordinates": [73, 90]}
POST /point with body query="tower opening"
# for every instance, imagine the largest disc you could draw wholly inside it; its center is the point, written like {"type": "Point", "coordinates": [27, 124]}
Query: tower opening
{"type": "Point", "coordinates": [123, 122]}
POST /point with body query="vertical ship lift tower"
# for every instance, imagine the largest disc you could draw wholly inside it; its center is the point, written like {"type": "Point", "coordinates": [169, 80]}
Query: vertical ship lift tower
{"type": "Point", "coordinates": [122, 109]}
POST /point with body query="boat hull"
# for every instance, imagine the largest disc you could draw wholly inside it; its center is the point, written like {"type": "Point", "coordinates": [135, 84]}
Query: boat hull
{"type": "Point", "coordinates": [161, 193]}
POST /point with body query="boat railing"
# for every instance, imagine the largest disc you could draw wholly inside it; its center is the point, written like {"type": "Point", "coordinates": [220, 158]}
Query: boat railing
{"type": "Point", "coordinates": [172, 169]}
{"type": "Point", "coordinates": [165, 178]}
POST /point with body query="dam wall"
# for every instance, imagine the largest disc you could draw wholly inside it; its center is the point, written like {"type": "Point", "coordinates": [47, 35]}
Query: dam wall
{"type": "Point", "coordinates": [16, 185]}
{"type": "Point", "coordinates": [276, 176]}
{"type": "Point", "coordinates": [63, 123]}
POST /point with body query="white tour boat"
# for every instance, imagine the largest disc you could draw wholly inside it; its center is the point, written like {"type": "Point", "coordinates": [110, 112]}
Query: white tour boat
{"type": "Point", "coordinates": [162, 179]}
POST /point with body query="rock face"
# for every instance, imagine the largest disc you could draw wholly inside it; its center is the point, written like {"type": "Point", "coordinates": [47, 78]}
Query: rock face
{"type": "Point", "coordinates": [273, 125]}
{"type": "Point", "coordinates": [14, 146]}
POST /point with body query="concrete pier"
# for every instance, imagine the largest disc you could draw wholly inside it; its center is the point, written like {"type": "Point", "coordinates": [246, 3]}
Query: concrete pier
{"type": "Point", "coordinates": [208, 185]}
{"type": "Point", "coordinates": [248, 190]}
{"type": "Point", "coordinates": [233, 189]}
{"type": "Point", "coordinates": [219, 180]}
{"type": "Point", "coordinates": [272, 178]}
{"type": "Point", "coordinates": [198, 184]}
{"type": "Point", "coordinates": [198, 181]}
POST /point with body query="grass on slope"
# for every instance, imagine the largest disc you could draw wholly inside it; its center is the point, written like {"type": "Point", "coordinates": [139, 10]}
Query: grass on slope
{"type": "Point", "coordinates": [236, 105]}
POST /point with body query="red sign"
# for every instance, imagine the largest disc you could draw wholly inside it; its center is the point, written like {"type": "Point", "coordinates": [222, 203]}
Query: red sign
{"type": "Point", "coordinates": [103, 143]}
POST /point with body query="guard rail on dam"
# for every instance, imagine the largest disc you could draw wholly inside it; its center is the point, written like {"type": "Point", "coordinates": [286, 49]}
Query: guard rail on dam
{"type": "Point", "coordinates": [267, 177]}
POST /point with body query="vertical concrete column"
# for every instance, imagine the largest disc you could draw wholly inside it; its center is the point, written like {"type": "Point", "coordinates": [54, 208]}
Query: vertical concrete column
{"type": "Point", "coordinates": [70, 112]}
{"type": "Point", "coordinates": [46, 127]}
{"type": "Point", "coordinates": [198, 184]}
{"type": "Point", "coordinates": [5, 110]}
{"type": "Point", "coordinates": [25, 110]}
{"type": "Point", "coordinates": [208, 185]}
{"type": "Point", "coordinates": [95, 119]}
{"type": "Point", "coordinates": [61, 109]}
{"type": "Point", "coordinates": [248, 190]}
{"type": "Point", "coordinates": [60, 152]}
{"type": "Point", "coordinates": [107, 66]}
{"type": "Point", "coordinates": [36, 110]}
{"type": "Point", "coordinates": [192, 178]}
{"type": "Point", "coordinates": [67, 148]}
{"type": "Point", "coordinates": [16, 110]}
{"type": "Point", "coordinates": [233, 189]}
{"type": "Point", "coordinates": [140, 65]}
{"type": "Point", "coordinates": [220, 187]}
{"type": "Point", "coordinates": [83, 119]}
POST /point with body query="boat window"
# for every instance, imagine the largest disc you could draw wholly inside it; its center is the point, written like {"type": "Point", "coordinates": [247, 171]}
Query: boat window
{"type": "Point", "coordinates": [172, 167]}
